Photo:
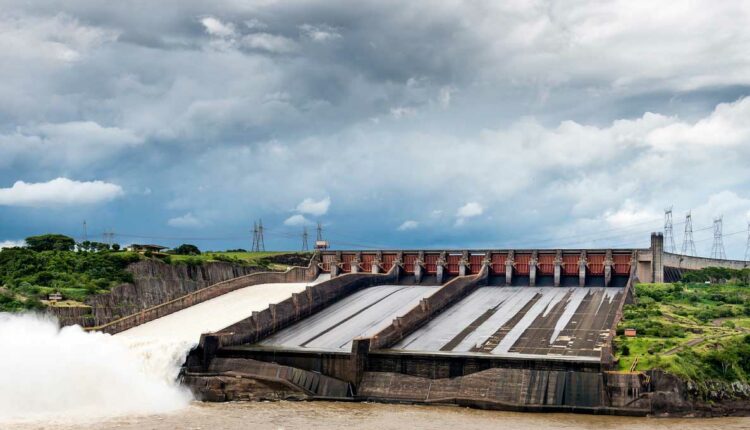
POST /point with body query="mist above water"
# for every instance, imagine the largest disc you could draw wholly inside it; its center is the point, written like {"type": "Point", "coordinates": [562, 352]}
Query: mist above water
{"type": "Point", "coordinates": [48, 373]}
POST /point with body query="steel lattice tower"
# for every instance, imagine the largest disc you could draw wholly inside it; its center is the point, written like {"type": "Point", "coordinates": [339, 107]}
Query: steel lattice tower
{"type": "Point", "coordinates": [747, 247]}
{"type": "Point", "coordinates": [668, 233]}
{"type": "Point", "coordinates": [320, 232]}
{"type": "Point", "coordinates": [255, 237]}
{"type": "Point", "coordinates": [305, 247]}
{"type": "Point", "coordinates": [261, 242]}
{"type": "Point", "coordinates": [688, 245]}
{"type": "Point", "coordinates": [717, 250]}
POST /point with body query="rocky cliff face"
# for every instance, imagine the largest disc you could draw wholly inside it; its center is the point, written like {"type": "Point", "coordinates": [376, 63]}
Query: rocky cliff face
{"type": "Point", "coordinates": [154, 282]}
{"type": "Point", "coordinates": [672, 396]}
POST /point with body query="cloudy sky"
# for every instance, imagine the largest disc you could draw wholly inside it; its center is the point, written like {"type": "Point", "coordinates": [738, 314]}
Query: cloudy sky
{"type": "Point", "coordinates": [417, 124]}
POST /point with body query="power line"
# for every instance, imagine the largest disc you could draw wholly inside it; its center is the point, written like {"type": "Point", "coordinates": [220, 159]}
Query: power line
{"type": "Point", "coordinates": [668, 234]}
{"type": "Point", "coordinates": [717, 250]}
{"type": "Point", "coordinates": [688, 245]}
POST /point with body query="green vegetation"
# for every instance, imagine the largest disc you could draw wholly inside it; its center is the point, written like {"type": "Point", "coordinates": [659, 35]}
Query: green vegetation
{"type": "Point", "coordinates": [49, 265]}
{"type": "Point", "coordinates": [28, 276]}
{"type": "Point", "coordinates": [697, 330]}
{"type": "Point", "coordinates": [263, 260]}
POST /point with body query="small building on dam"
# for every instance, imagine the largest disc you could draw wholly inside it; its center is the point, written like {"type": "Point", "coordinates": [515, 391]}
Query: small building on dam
{"type": "Point", "coordinates": [514, 329]}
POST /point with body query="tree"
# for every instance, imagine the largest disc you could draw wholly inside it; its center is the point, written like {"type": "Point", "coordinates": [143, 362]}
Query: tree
{"type": "Point", "coordinates": [187, 249]}
{"type": "Point", "coordinates": [50, 242]}
{"type": "Point", "coordinates": [115, 247]}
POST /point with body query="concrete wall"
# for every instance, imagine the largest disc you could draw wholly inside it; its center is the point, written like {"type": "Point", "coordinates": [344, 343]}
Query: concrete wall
{"type": "Point", "coordinates": [687, 262]}
{"type": "Point", "coordinates": [300, 305]}
{"type": "Point", "coordinates": [295, 274]}
{"type": "Point", "coordinates": [428, 307]}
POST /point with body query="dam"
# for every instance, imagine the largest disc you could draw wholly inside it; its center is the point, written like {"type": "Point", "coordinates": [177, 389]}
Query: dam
{"type": "Point", "coordinates": [526, 330]}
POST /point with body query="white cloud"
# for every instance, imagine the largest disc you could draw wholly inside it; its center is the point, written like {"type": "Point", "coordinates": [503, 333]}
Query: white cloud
{"type": "Point", "coordinates": [312, 207]}
{"type": "Point", "coordinates": [215, 27]}
{"type": "Point", "coordinates": [319, 33]}
{"type": "Point", "coordinates": [408, 225]}
{"type": "Point", "coordinates": [269, 42]}
{"type": "Point", "coordinates": [59, 192]}
{"type": "Point", "coordinates": [56, 39]}
{"type": "Point", "coordinates": [297, 220]}
{"type": "Point", "coordinates": [469, 210]}
{"type": "Point", "coordinates": [12, 243]}
{"type": "Point", "coordinates": [185, 221]}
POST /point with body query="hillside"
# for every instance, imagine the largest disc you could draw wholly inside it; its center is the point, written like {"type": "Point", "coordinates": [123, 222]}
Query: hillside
{"type": "Point", "coordinates": [698, 329]}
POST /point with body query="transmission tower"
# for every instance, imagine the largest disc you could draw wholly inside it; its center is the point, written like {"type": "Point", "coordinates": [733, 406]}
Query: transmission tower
{"type": "Point", "coordinates": [320, 232]}
{"type": "Point", "coordinates": [261, 243]}
{"type": "Point", "coordinates": [305, 247]}
{"type": "Point", "coordinates": [688, 245]}
{"type": "Point", "coordinates": [255, 237]}
{"type": "Point", "coordinates": [85, 232]}
{"type": "Point", "coordinates": [747, 247]}
{"type": "Point", "coordinates": [668, 234]}
{"type": "Point", "coordinates": [717, 250]}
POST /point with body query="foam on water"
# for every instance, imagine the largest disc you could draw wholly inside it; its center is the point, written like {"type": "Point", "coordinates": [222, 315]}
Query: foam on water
{"type": "Point", "coordinates": [47, 373]}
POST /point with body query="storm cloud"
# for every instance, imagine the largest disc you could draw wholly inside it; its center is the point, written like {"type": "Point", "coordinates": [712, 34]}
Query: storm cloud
{"type": "Point", "coordinates": [484, 124]}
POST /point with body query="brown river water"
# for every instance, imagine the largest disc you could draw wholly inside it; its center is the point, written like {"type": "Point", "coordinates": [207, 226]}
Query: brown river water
{"type": "Point", "coordinates": [335, 415]}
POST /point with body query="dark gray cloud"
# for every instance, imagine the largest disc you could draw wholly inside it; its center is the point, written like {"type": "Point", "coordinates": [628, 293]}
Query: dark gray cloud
{"type": "Point", "coordinates": [552, 118]}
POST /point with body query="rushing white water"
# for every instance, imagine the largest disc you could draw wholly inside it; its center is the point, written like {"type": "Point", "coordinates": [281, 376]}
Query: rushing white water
{"type": "Point", "coordinates": [47, 373]}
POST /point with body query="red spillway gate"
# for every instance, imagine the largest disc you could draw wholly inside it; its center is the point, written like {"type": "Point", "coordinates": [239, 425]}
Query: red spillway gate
{"type": "Point", "coordinates": [622, 264]}
{"type": "Point", "coordinates": [475, 262]}
{"type": "Point", "coordinates": [430, 263]}
{"type": "Point", "coordinates": [366, 263]}
{"type": "Point", "coordinates": [596, 264]}
{"type": "Point", "coordinates": [522, 264]}
{"type": "Point", "coordinates": [546, 264]}
{"type": "Point", "coordinates": [498, 263]}
{"type": "Point", "coordinates": [346, 262]}
{"type": "Point", "coordinates": [388, 260]}
{"type": "Point", "coordinates": [327, 261]}
{"type": "Point", "coordinates": [452, 264]}
{"type": "Point", "coordinates": [570, 264]}
{"type": "Point", "coordinates": [409, 261]}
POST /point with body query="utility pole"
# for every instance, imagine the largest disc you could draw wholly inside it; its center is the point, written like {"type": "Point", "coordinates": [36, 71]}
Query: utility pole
{"type": "Point", "coordinates": [668, 234]}
{"type": "Point", "coordinates": [717, 250]}
{"type": "Point", "coordinates": [305, 247]}
{"type": "Point", "coordinates": [261, 243]}
{"type": "Point", "coordinates": [688, 245]}
{"type": "Point", "coordinates": [255, 237]}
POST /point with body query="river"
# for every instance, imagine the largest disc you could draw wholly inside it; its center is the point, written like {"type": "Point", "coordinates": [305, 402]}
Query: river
{"type": "Point", "coordinates": [336, 415]}
{"type": "Point", "coordinates": [54, 378]}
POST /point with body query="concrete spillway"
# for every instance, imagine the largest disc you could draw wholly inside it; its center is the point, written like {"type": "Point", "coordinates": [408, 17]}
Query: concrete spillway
{"type": "Point", "coordinates": [521, 321]}
{"type": "Point", "coordinates": [362, 314]}
{"type": "Point", "coordinates": [215, 314]}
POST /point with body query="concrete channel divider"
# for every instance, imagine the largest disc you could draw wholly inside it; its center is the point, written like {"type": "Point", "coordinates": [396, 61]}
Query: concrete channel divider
{"type": "Point", "coordinates": [450, 293]}
{"type": "Point", "coordinates": [293, 274]}
{"type": "Point", "coordinates": [283, 314]}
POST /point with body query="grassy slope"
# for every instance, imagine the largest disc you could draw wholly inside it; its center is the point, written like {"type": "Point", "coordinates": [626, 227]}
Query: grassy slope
{"type": "Point", "coordinates": [27, 277]}
{"type": "Point", "coordinates": [697, 331]}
